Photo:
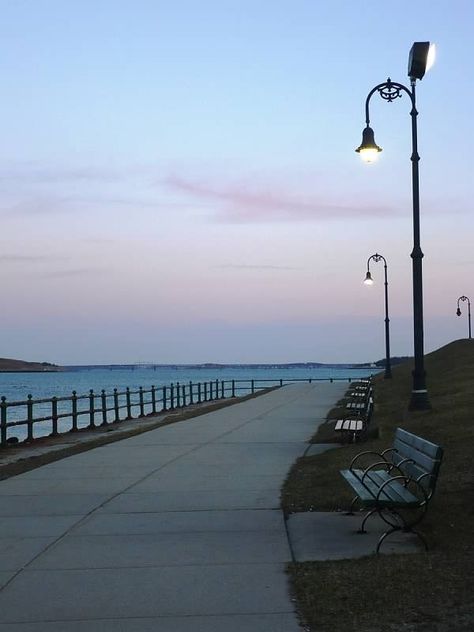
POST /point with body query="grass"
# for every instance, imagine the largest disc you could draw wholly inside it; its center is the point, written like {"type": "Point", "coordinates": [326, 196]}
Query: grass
{"type": "Point", "coordinates": [422, 592]}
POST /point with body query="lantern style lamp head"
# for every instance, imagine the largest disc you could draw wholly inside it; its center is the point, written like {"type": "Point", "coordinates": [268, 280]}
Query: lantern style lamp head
{"type": "Point", "coordinates": [368, 150]}
{"type": "Point", "coordinates": [420, 60]}
{"type": "Point", "coordinates": [368, 279]}
{"type": "Point", "coordinates": [458, 312]}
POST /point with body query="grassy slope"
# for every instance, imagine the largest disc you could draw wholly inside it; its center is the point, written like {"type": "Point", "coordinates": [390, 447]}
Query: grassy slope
{"type": "Point", "coordinates": [333, 595]}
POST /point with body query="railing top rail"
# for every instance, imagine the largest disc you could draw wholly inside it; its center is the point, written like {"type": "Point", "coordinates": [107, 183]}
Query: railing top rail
{"type": "Point", "coordinates": [115, 392]}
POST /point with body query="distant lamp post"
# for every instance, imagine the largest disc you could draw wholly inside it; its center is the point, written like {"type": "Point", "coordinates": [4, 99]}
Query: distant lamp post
{"type": "Point", "coordinates": [458, 312]}
{"type": "Point", "coordinates": [369, 281]}
{"type": "Point", "coordinates": [420, 60]}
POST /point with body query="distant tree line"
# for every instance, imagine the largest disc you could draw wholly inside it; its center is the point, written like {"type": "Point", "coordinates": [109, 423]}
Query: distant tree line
{"type": "Point", "coordinates": [395, 360]}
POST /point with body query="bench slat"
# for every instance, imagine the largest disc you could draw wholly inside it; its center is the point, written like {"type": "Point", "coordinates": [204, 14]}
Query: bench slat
{"type": "Point", "coordinates": [422, 445]}
{"type": "Point", "coordinates": [394, 495]}
{"type": "Point", "coordinates": [351, 425]}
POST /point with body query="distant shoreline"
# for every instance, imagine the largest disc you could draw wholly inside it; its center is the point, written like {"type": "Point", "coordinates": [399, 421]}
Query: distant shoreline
{"type": "Point", "coordinates": [9, 365]}
{"type": "Point", "coordinates": [217, 367]}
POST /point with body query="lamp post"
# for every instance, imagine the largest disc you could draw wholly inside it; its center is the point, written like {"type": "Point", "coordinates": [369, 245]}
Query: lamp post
{"type": "Point", "coordinates": [420, 59]}
{"type": "Point", "coordinates": [458, 312]}
{"type": "Point", "coordinates": [369, 281]}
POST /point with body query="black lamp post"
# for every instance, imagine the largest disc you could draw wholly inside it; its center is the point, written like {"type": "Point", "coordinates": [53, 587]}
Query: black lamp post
{"type": "Point", "coordinates": [458, 312]}
{"type": "Point", "coordinates": [421, 56]}
{"type": "Point", "coordinates": [369, 281]}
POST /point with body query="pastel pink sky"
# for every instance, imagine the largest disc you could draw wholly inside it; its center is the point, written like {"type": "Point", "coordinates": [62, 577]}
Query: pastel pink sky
{"type": "Point", "coordinates": [179, 183]}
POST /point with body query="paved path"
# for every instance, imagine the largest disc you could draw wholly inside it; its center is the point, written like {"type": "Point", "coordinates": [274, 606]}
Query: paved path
{"type": "Point", "coordinates": [175, 530]}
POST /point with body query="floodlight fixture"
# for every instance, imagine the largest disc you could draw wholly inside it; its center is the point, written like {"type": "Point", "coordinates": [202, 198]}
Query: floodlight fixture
{"type": "Point", "coordinates": [420, 59]}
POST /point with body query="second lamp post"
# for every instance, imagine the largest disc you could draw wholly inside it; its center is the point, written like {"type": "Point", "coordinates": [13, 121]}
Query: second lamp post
{"type": "Point", "coordinates": [458, 312]}
{"type": "Point", "coordinates": [368, 281]}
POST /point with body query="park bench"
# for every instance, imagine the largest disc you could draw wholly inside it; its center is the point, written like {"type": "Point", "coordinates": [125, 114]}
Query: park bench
{"type": "Point", "coordinates": [398, 485]}
{"type": "Point", "coordinates": [352, 426]}
{"type": "Point", "coordinates": [354, 423]}
{"type": "Point", "coordinates": [359, 400]}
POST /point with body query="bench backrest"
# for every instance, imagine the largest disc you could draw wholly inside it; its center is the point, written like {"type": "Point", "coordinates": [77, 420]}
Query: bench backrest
{"type": "Point", "coordinates": [424, 458]}
{"type": "Point", "coordinates": [361, 396]}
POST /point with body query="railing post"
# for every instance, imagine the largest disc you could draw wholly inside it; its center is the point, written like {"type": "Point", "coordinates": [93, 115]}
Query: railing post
{"type": "Point", "coordinates": [191, 398]}
{"type": "Point", "coordinates": [116, 406]}
{"type": "Point", "coordinates": [142, 407]}
{"type": "Point", "coordinates": [223, 389]}
{"type": "Point", "coordinates": [233, 388]}
{"type": "Point", "coordinates": [217, 389]}
{"type": "Point", "coordinates": [153, 399]}
{"type": "Point", "coordinates": [30, 418]}
{"type": "Point", "coordinates": [103, 398]}
{"type": "Point", "coordinates": [172, 396]}
{"type": "Point", "coordinates": [205, 391]}
{"type": "Point", "coordinates": [163, 390]}
{"type": "Point", "coordinates": [74, 412]}
{"type": "Point", "coordinates": [199, 392]}
{"type": "Point", "coordinates": [253, 387]}
{"type": "Point", "coordinates": [129, 403]}
{"type": "Point", "coordinates": [211, 395]}
{"type": "Point", "coordinates": [281, 382]}
{"type": "Point", "coordinates": [91, 409]}
{"type": "Point", "coordinates": [178, 395]}
{"type": "Point", "coordinates": [3, 421]}
{"type": "Point", "coordinates": [54, 416]}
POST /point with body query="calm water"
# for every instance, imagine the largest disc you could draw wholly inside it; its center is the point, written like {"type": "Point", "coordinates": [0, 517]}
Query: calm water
{"type": "Point", "coordinates": [17, 387]}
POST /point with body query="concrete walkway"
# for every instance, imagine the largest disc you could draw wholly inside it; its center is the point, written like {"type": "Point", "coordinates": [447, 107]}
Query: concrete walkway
{"type": "Point", "coordinates": [175, 530]}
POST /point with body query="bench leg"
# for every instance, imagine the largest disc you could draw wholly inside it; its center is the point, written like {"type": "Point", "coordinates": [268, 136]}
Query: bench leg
{"type": "Point", "coordinates": [406, 530]}
{"type": "Point", "coordinates": [366, 517]}
{"type": "Point", "coordinates": [350, 512]}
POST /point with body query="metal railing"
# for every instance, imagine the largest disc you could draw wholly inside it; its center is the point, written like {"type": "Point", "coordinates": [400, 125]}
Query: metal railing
{"type": "Point", "coordinates": [32, 419]}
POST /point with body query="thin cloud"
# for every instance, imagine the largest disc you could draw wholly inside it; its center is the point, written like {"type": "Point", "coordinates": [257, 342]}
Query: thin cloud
{"type": "Point", "coordinates": [30, 258]}
{"type": "Point", "coordinates": [38, 205]}
{"type": "Point", "coordinates": [246, 204]}
{"type": "Point", "coordinates": [32, 174]}
{"type": "Point", "coordinates": [237, 266]}
{"type": "Point", "coordinates": [77, 272]}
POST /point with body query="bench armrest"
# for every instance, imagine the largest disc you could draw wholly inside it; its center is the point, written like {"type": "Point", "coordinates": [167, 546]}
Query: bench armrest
{"type": "Point", "coordinates": [380, 455]}
{"type": "Point", "coordinates": [402, 462]}
{"type": "Point", "coordinates": [385, 464]}
{"type": "Point", "coordinates": [425, 496]}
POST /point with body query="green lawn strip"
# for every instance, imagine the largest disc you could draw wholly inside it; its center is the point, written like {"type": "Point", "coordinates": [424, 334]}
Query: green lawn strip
{"type": "Point", "coordinates": [383, 592]}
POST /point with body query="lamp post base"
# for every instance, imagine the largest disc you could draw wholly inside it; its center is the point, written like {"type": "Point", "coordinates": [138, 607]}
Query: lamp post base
{"type": "Point", "coordinates": [419, 400]}
{"type": "Point", "coordinates": [387, 374]}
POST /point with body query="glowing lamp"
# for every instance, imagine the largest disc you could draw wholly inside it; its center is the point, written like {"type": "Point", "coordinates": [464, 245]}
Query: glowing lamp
{"type": "Point", "coordinates": [368, 149]}
{"type": "Point", "coordinates": [368, 279]}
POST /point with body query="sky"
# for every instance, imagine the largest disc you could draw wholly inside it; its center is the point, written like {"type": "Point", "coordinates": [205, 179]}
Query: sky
{"type": "Point", "coordinates": [178, 181]}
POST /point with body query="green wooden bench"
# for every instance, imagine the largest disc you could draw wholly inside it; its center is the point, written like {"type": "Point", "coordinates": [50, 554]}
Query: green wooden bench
{"type": "Point", "coordinates": [398, 485]}
{"type": "Point", "coordinates": [359, 400]}
{"type": "Point", "coordinates": [352, 425]}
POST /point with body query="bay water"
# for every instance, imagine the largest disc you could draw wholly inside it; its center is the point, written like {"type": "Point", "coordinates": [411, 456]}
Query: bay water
{"type": "Point", "coordinates": [45, 385]}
